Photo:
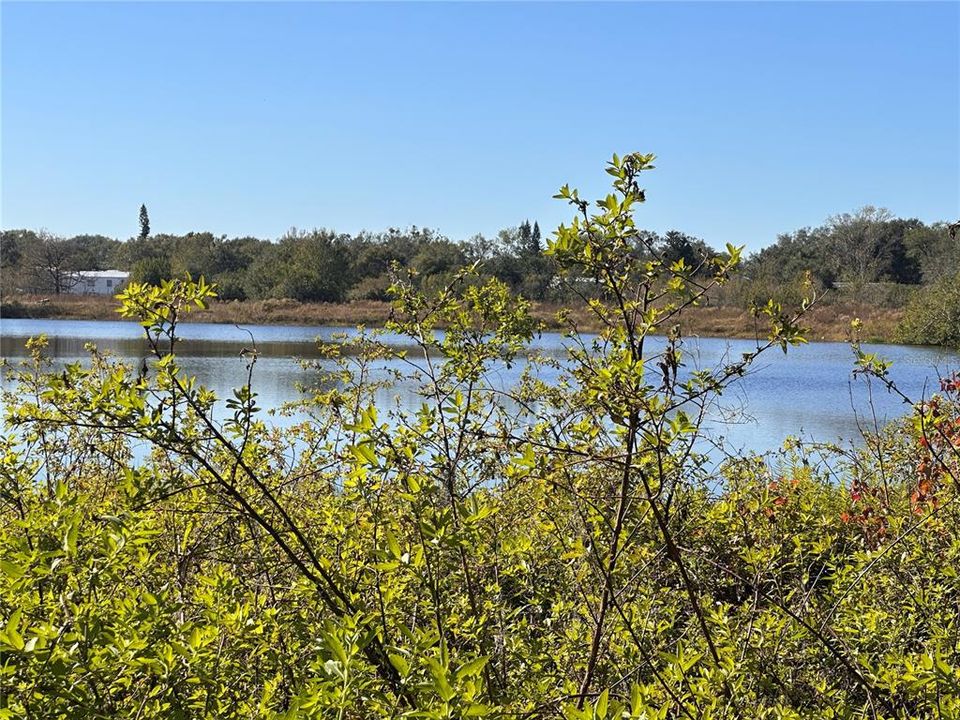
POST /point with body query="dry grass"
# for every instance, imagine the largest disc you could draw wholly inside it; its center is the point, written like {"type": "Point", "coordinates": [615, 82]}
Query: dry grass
{"type": "Point", "coordinates": [63, 307]}
{"type": "Point", "coordinates": [826, 322]}
{"type": "Point", "coordinates": [293, 312]}
{"type": "Point", "coordinates": [261, 312]}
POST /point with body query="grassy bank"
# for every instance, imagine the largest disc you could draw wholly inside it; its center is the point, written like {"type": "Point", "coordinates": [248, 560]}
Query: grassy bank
{"type": "Point", "coordinates": [826, 322]}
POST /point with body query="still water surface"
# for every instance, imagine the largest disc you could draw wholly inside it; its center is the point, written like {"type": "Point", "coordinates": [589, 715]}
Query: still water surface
{"type": "Point", "coordinates": [809, 392]}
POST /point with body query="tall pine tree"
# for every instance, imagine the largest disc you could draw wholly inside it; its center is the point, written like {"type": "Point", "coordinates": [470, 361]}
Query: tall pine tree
{"type": "Point", "coordinates": [144, 223]}
{"type": "Point", "coordinates": [524, 236]}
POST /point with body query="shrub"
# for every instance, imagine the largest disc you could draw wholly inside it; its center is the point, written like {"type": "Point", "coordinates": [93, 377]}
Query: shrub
{"type": "Point", "coordinates": [556, 550]}
{"type": "Point", "coordinates": [371, 288]}
{"type": "Point", "coordinates": [933, 316]}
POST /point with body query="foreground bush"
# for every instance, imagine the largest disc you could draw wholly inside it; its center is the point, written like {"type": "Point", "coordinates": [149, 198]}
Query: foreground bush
{"type": "Point", "coordinates": [558, 550]}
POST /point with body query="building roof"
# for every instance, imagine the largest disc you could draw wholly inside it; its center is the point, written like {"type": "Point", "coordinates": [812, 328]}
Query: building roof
{"type": "Point", "coordinates": [103, 273]}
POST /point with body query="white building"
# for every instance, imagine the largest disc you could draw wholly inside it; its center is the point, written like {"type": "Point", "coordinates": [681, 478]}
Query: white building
{"type": "Point", "coordinates": [97, 282]}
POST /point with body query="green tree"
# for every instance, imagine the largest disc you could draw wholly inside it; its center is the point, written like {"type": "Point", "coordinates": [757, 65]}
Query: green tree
{"type": "Point", "coordinates": [150, 270]}
{"type": "Point", "coordinates": [676, 246]}
{"type": "Point", "coordinates": [855, 244]}
{"type": "Point", "coordinates": [95, 252]}
{"type": "Point", "coordinates": [144, 223]}
{"type": "Point", "coordinates": [899, 265]}
{"type": "Point", "coordinates": [518, 260]}
{"type": "Point", "coordinates": [12, 246]}
{"type": "Point", "coordinates": [933, 316]}
{"type": "Point", "coordinates": [934, 250]}
{"type": "Point", "coordinates": [314, 267]}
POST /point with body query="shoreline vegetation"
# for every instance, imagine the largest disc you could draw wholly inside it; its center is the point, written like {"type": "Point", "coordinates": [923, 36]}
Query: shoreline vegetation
{"type": "Point", "coordinates": [826, 323]}
{"type": "Point", "coordinates": [559, 549]}
{"type": "Point", "coordinates": [899, 276]}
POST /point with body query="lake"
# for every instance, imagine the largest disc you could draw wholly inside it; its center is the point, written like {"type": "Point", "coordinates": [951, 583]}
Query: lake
{"type": "Point", "coordinates": [810, 392]}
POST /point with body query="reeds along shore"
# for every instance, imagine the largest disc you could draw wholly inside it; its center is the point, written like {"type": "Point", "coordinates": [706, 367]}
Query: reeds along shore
{"type": "Point", "coordinates": [828, 322]}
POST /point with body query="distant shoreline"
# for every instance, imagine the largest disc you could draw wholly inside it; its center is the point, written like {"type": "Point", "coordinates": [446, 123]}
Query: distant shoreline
{"type": "Point", "coordinates": [829, 322]}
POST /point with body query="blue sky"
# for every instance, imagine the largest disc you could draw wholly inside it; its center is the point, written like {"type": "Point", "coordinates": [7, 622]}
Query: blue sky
{"type": "Point", "coordinates": [249, 118]}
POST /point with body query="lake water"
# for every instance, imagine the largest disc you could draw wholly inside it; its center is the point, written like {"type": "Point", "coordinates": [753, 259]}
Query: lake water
{"type": "Point", "coordinates": [809, 392]}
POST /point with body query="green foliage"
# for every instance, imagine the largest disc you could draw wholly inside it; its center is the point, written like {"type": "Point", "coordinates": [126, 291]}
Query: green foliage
{"type": "Point", "coordinates": [12, 246]}
{"type": "Point", "coordinates": [144, 223]}
{"type": "Point", "coordinates": [151, 270]}
{"type": "Point", "coordinates": [867, 256]}
{"type": "Point", "coordinates": [933, 316]}
{"type": "Point", "coordinates": [314, 267]}
{"type": "Point", "coordinates": [560, 549]}
{"type": "Point", "coordinates": [935, 250]}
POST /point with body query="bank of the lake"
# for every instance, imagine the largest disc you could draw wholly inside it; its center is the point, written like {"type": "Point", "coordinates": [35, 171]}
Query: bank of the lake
{"type": "Point", "coordinates": [829, 322]}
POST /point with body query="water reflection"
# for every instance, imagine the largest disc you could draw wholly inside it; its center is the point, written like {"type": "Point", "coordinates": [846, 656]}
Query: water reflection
{"type": "Point", "coordinates": [810, 391]}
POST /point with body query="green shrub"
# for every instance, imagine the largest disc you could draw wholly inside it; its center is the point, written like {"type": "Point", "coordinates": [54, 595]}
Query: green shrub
{"type": "Point", "coordinates": [933, 316]}
{"type": "Point", "coordinates": [371, 288]}
{"type": "Point", "coordinates": [554, 550]}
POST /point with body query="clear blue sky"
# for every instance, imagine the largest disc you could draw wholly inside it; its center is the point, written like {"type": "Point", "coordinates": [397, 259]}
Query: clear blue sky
{"type": "Point", "coordinates": [246, 118]}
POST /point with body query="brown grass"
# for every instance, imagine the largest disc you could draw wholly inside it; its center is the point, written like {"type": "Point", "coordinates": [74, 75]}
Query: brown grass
{"type": "Point", "coordinates": [261, 312]}
{"type": "Point", "coordinates": [825, 322]}
{"type": "Point", "coordinates": [64, 307]}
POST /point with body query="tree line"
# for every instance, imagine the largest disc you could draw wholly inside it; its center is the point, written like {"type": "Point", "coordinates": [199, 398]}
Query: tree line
{"type": "Point", "coordinates": [851, 250]}
{"type": "Point", "coordinates": [869, 245]}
